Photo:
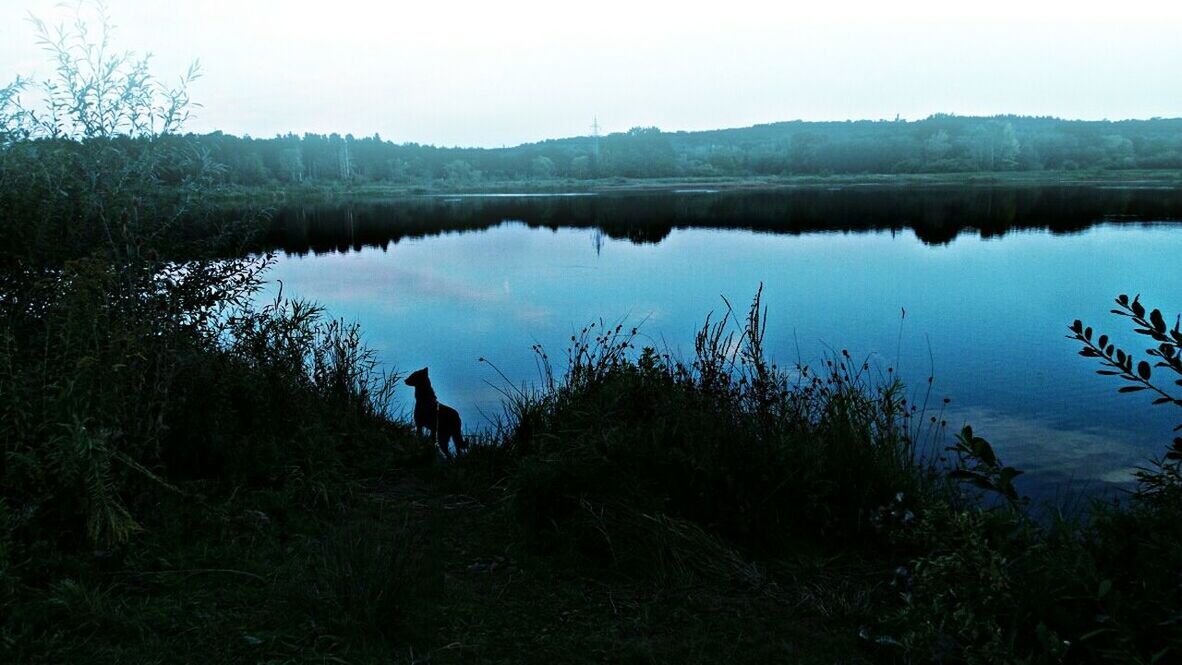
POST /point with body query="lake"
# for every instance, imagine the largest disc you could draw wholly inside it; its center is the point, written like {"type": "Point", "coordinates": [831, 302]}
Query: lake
{"type": "Point", "coordinates": [973, 285]}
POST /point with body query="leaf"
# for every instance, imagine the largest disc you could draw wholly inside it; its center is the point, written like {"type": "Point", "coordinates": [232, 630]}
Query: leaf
{"type": "Point", "coordinates": [1137, 307]}
{"type": "Point", "coordinates": [1159, 323]}
{"type": "Point", "coordinates": [964, 474]}
{"type": "Point", "coordinates": [1131, 389]}
{"type": "Point", "coordinates": [1143, 370]}
{"type": "Point", "coordinates": [983, 451]}
{"type": "Point", "coordinates": [1094, 633]}
{"type": "Point", "coordinates": [1103, 341]}
{"type": "Point", "coordinates": [1122, 299]}
{"type": "Point", "coordinates": [1162, 400]}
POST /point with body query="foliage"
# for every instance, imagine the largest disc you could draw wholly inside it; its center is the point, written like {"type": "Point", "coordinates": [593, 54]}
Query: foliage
{"type": "Point", "coordinates": [84, 165]}
{"type": "Point", "coordinates": [1165, 476]}
{"type": "Point", "coordinates": [977, 464]}
{"type": "Point", "coordinates": [364, 579]}
{"type": "Point", "coordinates": [995, 586]}
{"type": "Point", "coordinates": [130, 356]}
{"type": "Point", "coordinates": [728, 441]}
{"type": "Point", "coordinates": [991, 584]}
{"type": "Point", "coordinates": [938, 144]}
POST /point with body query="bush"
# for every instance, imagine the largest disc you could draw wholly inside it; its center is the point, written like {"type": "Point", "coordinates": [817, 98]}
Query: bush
{"type": "Point", "coordinates": [728, 441]}
{"type": "Point", "coordinates": [130, 355]}
{"type": "Point", "coordinates": [993, 585]}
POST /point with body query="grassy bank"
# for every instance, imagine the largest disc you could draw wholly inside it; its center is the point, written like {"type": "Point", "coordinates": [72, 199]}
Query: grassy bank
{"type": "Point", "coordinates": [406, 565]}
{"type": "Point", "coordinates": [280, 193]}
{"type": "Point", "coordinates": [631, 508]}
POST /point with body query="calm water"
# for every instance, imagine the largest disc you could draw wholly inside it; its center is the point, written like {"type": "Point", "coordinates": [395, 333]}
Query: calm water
{"type": "Point", "coordinates": [989, 280]}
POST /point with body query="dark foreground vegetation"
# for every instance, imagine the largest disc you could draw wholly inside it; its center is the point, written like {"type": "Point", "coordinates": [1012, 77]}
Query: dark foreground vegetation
{"type": "Point", "coordinates": [189, 476]}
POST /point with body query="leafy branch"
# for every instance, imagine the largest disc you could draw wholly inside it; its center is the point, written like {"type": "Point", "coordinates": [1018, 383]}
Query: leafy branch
{"type": "Point", "coordinates": [95, 92]}
{"type": "Point", "coordinates": [979, 466]}
{"type": "Point", "coordinates": [1139, 373]}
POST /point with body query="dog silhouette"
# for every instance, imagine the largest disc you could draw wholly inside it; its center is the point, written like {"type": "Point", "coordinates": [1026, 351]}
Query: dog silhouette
{"type": "Point", "coordinates": [440, 419]}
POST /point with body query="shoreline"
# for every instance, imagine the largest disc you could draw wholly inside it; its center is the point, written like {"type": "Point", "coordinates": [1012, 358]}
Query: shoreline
{"type": "Point", "coordinates": [1132, 179]}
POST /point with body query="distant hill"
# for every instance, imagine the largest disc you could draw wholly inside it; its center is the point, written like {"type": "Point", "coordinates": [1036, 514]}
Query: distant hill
{"type": "Point", "coordinates": [938, 144]}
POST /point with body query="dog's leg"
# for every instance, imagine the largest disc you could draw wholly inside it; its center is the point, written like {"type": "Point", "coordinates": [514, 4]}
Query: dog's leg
{"type": "Point", "coordinates": [443, 429]}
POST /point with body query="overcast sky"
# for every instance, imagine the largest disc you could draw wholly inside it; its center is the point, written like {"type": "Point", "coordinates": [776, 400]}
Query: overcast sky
{"type": "Point", "coordinates": [495, 73]}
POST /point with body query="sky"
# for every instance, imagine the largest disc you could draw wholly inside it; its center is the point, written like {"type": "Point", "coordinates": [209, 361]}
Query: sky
{"type": "Point", "coordinates": [514, 71]}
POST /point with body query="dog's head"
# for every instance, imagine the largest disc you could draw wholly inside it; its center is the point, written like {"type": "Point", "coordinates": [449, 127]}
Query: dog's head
{"type": "Point", "coordinates": [418, 378]}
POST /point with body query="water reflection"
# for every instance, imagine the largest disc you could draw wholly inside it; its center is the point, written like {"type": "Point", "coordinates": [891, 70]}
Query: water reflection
{"type": "Point", "coordinates": [988, 317]}
{"type": "Point", "coordinates": [935, 214]}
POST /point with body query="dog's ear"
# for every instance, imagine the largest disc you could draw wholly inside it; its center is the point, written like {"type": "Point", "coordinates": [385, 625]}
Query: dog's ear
{"type": "Point", "coordinates": [424, 371]}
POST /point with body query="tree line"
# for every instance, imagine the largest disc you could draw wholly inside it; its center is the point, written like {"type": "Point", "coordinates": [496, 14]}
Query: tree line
{"type": "Point", "coordinates": [937, 144]}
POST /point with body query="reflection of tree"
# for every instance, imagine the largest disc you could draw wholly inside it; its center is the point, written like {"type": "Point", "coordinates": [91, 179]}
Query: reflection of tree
{"type": "Point", "coordinates": [936, 215]}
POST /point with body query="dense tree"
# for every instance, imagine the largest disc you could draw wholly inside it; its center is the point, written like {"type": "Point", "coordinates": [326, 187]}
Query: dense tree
{"type": "Point", "coordinates": [938, 144]}
{"type": "Point", "coordinates": [542, 167]}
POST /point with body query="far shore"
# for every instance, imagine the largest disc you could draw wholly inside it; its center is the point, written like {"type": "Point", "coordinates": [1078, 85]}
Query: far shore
{"type": "Point", "coordinates": [1132, 179]}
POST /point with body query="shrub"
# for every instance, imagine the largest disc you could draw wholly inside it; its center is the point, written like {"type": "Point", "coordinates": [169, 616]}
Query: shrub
{"type": "Point", "coordinates": [131, 356]}
{"type": "Point", "coordinates": [728, 441]}
{"type": "Point", "coordinates": [990, 584]}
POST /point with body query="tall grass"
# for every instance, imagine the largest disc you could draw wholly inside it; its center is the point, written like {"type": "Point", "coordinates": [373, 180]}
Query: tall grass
{"type": "Point", "coordinates": [682, 470]}
{"type": "Point", "coordinates": [728, 440]}
{"type": "Point", "coordinates": [130, 355]}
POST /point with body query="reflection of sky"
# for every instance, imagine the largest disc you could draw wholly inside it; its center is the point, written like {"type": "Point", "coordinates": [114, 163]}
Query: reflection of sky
{"type": "Point", "coordinates": [994, 313]}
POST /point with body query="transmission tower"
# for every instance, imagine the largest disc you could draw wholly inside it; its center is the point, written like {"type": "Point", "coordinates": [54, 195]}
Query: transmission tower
{"type": "Point", "coordinates": [595, 135]}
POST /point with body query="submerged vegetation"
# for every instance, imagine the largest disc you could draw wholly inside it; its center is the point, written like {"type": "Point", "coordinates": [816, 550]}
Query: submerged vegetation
{"type": "Point", "coordinates": [189, 475]}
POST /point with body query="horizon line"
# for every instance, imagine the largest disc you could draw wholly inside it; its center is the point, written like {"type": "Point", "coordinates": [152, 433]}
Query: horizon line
{"type": "Point", "coordinates": [569, 137]}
